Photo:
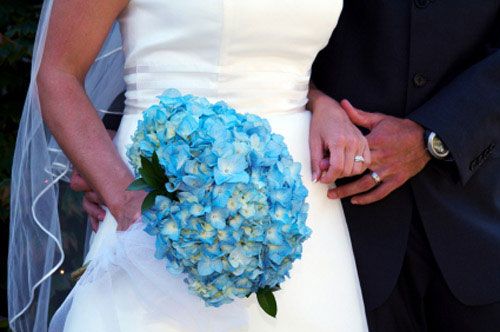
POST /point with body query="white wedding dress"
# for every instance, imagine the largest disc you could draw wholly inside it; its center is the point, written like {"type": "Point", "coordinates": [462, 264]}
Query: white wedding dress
{"type": "Point", "coordinates": [256, 55]}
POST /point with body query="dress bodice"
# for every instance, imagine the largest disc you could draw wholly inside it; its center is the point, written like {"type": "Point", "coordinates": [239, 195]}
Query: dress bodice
{"type": "Point", "coordinates": [255, 55]}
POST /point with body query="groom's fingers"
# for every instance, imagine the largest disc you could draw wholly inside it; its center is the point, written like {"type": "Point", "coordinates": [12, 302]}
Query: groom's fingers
{"type": "Point", "coordinates": [355, 115]}
{"type": "Point", "coordinates": [377, 160]}
{"type": "Point", "coordinates": [360, 118]}
{"type": "Point", "coordinates": [93, 210]}
{"type": "Point", "coordinates": [94, 224]}
{"type": "Point", "coordinates": [324, 164]}
{"type": "Point", "coordinates": [380, 192]}
{"type": "Point", "coordinates": [93, 197]}
{"type": "Point", "coordinates": [78, 183]}
{"type": "Point", "coordinates": [91, 204]}
{"type": "Point", "coordinates": [359, 186]}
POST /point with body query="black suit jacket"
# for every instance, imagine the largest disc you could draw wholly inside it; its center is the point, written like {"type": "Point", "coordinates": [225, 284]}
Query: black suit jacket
{"type": "Point", "coordinates": [436, 62]}
{"type": "Point", "coordinates": [112, 120]}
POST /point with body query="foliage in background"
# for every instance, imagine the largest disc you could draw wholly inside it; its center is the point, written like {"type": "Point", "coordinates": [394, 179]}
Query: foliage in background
{"type": "Point", "coordinates": [18, 22]}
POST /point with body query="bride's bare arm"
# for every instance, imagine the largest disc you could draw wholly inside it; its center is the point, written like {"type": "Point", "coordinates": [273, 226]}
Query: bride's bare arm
{"type": "Point", "coordinates": [76, 33]}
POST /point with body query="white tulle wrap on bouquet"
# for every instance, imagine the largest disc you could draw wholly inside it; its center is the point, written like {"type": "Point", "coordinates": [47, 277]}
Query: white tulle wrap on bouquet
{"type": "Point", "coordinates": [119, 259]}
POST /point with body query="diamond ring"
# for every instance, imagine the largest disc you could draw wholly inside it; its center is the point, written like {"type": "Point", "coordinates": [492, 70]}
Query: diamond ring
{"type": "Point", "coordinates": [359, 159]}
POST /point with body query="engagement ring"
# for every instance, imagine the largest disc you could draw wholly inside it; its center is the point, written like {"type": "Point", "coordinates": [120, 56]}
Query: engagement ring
{"type": "Point", "coordinates": [359, 159]}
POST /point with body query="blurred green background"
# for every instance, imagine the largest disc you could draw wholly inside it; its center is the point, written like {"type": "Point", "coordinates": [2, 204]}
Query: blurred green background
{"type": "Point", "coordinates": [18, 23]}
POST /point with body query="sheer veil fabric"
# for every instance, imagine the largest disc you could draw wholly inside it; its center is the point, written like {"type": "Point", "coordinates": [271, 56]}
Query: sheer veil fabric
{"type": "Point", "coordinates": [35, 248]}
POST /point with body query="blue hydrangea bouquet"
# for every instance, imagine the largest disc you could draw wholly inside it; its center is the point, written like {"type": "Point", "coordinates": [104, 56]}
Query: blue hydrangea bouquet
{"type": "Point", "coordinates": [226, 202]}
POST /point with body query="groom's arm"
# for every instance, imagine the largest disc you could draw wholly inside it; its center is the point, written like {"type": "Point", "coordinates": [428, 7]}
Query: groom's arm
{"type": "Point", "coordinates": [466, 115]}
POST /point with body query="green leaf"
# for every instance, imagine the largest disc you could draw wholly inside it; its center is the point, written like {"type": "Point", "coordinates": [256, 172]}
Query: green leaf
{"type": "Point", "coordinates": [153, 177]}
{"type": "Point", "coordinates": [158, 170]}
{"type": "Point", "coordinates": [149, 201]}
{"type": "Point", "coordinates": [172, 196]}
{"type": "Point", "coordinates": [148, 174]}
{"type": "Point", "coordinates": [138, 184]}
{"type": "Point", "coordinates": [156, 164]}
{"type": "Point", "coordinates": [152, 172]}
{"type": "Point", "coordinates": [267, 301]}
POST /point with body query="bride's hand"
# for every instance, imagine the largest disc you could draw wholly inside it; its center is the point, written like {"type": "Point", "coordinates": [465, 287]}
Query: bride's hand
{"type": "Point", "coordinates": [126, 207]}
{"type": "Point", "coordinates": [335, 138]}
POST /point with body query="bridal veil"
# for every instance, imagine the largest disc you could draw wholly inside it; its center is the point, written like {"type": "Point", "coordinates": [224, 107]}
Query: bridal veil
{"type": "Point", "coordinates": [35, 247]}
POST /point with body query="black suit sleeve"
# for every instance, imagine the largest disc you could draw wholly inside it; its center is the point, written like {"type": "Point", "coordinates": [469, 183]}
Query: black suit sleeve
{"type": "Point", "coordinates": [466, 114]}
{"type": "Point", "coordinates": [112, 120]}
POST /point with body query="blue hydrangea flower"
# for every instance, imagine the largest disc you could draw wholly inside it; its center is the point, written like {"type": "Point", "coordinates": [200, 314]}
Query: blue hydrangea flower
{"type": "Point", "coordinates": [239, 222]}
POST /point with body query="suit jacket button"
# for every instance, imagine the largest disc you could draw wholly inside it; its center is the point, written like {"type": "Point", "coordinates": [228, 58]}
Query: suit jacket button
{"type": "Point", "coordinates": [419, 80]}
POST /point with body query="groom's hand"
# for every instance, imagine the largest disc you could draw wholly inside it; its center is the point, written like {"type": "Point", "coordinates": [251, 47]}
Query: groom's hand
{"type": "Point", "coordinates": [397, 153]}
{"type": "Point", "coordinates": [91, 201]}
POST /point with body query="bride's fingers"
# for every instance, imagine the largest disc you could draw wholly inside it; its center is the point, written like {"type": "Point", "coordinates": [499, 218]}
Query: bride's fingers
{"type": "Point", "coordinates": [360, 166]}
{"type": "Point", "coordinates": [349, 164]}
{"type": "Point", "coordinates": [336, 165]}
{"type": "Point", "coordinates": [316, 148]}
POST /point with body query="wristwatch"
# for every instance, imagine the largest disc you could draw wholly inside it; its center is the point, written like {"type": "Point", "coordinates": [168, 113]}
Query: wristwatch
{"type": "Point", "coordinates": [436, 146]}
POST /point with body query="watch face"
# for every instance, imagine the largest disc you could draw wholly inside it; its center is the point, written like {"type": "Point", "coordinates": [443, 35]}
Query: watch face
{"type": "Point", "coordinates": [440, 150]}
{"type": "Point", "coordinates": [438, 145]}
